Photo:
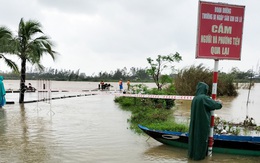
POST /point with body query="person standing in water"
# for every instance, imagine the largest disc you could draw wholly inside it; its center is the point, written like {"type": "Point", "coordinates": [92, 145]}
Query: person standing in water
{"type": "Point", "coordinates": [120, 85]}
{"type": "Point", "coordinates": [200, 116]}
{"type": "Point", "coordinates": [128, 85]}
{"type": "Point", "coordinates": [2, 92]}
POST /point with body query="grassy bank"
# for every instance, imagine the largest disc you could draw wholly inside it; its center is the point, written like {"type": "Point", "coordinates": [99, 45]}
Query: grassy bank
{"type": "Point", "coordinates": [146, 112]}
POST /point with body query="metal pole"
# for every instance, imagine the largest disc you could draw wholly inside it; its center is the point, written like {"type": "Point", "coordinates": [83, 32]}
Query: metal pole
{"type": "Point", "coordinates": [214, 97]}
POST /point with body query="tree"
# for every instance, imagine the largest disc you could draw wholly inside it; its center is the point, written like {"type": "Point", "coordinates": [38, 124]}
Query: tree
{"type": "Point", "coordinates": [187, 78]}
{"type": "Point", "coordinates": [142, 74]}
{"type": "Point", "coordinates": [240, 75]}
{"type": "Point", "coordinates": [29, 45]}
{"type": "Point", "coordinates": [161, 63]}
{"type": "Point", "coordinates": [5, 38]}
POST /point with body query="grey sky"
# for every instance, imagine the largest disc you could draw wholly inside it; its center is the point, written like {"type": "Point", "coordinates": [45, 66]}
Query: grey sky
{"type": "Point", "coordinates": [103, 35]}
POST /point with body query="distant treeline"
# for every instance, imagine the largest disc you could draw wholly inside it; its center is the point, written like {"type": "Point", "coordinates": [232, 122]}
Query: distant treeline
{"type": "Point", "coordinates": [133, 74]}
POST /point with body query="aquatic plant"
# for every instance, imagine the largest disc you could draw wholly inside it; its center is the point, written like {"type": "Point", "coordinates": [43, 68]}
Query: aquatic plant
{"type": "Point", "coordinates": [146, 113]}
{"type": "Point", "coordinates": [246, 127]}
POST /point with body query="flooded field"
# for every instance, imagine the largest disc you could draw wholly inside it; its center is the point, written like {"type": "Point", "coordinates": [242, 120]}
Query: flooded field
{"type": "Point", "coordinates": [94, 129]}
{"type": "Point", "coordinates": [233, 110]}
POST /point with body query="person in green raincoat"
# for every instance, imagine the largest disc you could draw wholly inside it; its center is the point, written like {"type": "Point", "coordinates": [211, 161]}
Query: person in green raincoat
{"type": "Point", "coordinates": [2, 92]}
{"type": "Point", "coordinates": [200, 117]}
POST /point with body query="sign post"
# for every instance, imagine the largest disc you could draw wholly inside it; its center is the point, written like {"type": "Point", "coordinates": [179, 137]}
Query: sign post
{"type": "Point", "coordinates": [219, 36]}
{"type": "Point", "coordinates": [214, 97]}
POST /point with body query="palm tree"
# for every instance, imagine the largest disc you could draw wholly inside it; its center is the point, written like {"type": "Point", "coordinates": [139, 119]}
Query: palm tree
{"type": "Point", "coordinates": [29, 45]}
{"type": "Point", "coordinates": [5, 38]}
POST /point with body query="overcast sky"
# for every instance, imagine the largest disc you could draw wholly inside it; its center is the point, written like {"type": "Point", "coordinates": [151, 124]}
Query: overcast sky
{"type": "Point", "coordinates": [103, 35]}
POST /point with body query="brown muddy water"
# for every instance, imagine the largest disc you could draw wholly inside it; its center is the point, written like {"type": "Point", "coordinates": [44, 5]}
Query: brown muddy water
{"type": "Point", "coordinates": [94, 129]}
{"type": "Point", "coordinates": [233, 110]}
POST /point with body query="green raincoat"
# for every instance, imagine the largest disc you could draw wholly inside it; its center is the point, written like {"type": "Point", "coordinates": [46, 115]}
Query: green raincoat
{"type": "Point", "coordinates": [200, 122]}
{"type": "Point", "coordinates": [2, 92]}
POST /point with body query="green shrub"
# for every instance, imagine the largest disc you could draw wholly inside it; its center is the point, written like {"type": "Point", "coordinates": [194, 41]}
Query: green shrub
{"type": "Point", "coordinates": [148, 115]}
{"type": "Point", "coordinates": [187, 79]}
{"type": "Point", "coordinates": [169, 126]}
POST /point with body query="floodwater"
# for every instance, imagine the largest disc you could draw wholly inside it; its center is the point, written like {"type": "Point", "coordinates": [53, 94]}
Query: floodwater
{"type": "Point", "coordinates": [234, 109]}
{"type": "Point", "coordinates": [91, 129]}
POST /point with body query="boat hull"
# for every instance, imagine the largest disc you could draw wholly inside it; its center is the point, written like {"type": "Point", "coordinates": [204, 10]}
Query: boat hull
{"type": "Point", "coordinates": [240, 145]}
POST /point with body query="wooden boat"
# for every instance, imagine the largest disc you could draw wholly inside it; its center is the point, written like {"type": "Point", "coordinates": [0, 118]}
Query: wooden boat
{"type": "Point", "coordinates": [230, 144]}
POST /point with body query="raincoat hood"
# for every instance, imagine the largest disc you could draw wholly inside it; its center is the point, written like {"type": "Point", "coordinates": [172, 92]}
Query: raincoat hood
{"type": "Point", "coordinates": [202, 88]}
{"type": "Point", "coordinates": [1, 78]}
